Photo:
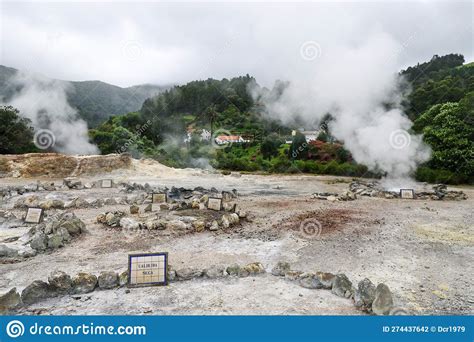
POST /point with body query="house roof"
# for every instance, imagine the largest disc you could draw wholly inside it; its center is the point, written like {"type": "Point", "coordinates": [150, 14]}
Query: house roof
{"type": "Point", "coordinates": [228, 137]}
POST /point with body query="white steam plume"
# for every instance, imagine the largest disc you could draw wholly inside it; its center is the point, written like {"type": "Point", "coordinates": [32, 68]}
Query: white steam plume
{"type": "Point", "coordinates": [354, 84]}
{"type": "Point", "coordinates": [44, 102]}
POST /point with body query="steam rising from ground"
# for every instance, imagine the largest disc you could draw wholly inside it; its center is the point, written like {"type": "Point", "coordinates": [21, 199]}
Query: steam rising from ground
{"type": "Point", "coordinates": [360, 88]}
{"type": "Point", "coordinates": [44, 102]}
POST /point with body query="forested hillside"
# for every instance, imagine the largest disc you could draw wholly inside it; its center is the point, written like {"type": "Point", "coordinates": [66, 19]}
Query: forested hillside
{"type": "Point", "coordinates": [95, 101]}
{"type": "Point", "coordinates": [178, 126]}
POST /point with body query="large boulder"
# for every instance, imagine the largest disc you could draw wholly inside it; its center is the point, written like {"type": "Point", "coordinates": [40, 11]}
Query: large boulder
{"type": "Point", "coordinates": [383, 301]}
{"type": "Point", "coordinates": [37, 291]}
{"type": "Point", "coordinates": [326, 279]}
{"type": "Point", "coordinates": [310, 281]}
{"type": "Point", "coordinates": [9, 301]}
{"type": "Point", "coordinates": [188, 273]}
{"type": "Point", "coordinates": [39, 242]}
{"type": "Point", "coordinates": [84, 283]}
{"type": "Point", "coordinates": [108, 280]}
{"type": "Point", "coordinates": [55, 241]}
{"type": "Point", "coordinates": [365, 294]}
{"type": "Point", "coordinates": [215, 272]}
{"type": "Point", "coordinates": [6, 251]}
{"type": "Point", "coordinates": [251, 269]}
{"type": "Point", "coordinates": [281, 269]}
{"type": "Point", "coordinates": [342, 286]}
{"type": "Point", "coordinates": [72, 223]}
{"type": "Point", "coordinates": [233, 270]}
{"type": "Point", "coordinates": [72, 183]}
{"type": "Point", "coordinates": [60, 281]}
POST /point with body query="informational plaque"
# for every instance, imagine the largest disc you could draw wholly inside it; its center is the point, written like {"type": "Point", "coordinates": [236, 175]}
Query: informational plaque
{"type": "Point", "coordinates": [34, 215]}
{"type": "Point", "coordinates": [106, 183]}
{"type": "Point", "coordinates": [407, 193]}
{"type": "Point", "coordinates": [147, 269]}
{"type": "Point", "coordinates": [214, 203]}
{"type": "Point", "coordinates": [158, 197]}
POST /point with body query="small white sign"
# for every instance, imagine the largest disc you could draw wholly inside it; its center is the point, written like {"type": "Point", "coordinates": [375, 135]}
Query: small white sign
{"type": "Point", "coordinates": [106, 183]}
{"type": "Point", "coordinates": [214, 203]}
{"type": "Point", "coordinates": [407, 193]}
{"type": "Point", "coordinates": [158, 198]}
{"type": "Point", "coordinates": [34, 215]}
{"type": "Point", "coordinates": [148, 269]}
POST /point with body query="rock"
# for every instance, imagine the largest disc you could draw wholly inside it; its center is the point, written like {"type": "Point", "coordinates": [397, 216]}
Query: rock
{"type": "Point", "coordinates": [281, 268]}
{"type": "Point", "coordinates": [225, 221]}
{"type": "Point", "coordinates": [365, 294]}
{"type": "Point", "coordinates": [342, 286]}
{"type": "Point", "coordinates": [123, 278]}
{"type": "Point", "coordinates": [37, 291]}
{"type": "Point", "coordinates": [188, 273]}
{"type": "Point", "coordinates": [9, 301]}
{"type": "Point", "coordinates": [233, 270]}
{"type": "Point", "coordinates": [242, 214]}
{"type": "Point", "coordinates": [214, 272]}
{"type": "Point", "coordinates": [71, 223]}
{"type": "Point", "coordinates": [55, 241]}
{"type": "Point", "coordinates": [6, 251]}
{"type": "Point", "coordinates": [293, 275]}
{"type": "Point", "coordinates": [39, 242]}
{"type": "Point", "coordinates": [26, 252]}
{"type": "Point", "coordinates": [214, 226]}
{"type": "Point", "coordinates": [199, 226]}
{"type": "Point", "coordinates": [204, 199]}
{"type": "Point", "coordinates": [134, 209]}
{"type": "Point", "coordinates": [80, 203]}
{"type": "Point", "coordinates": [60, 281]}
{"type": "Point", "coordinates": [164, 206]}
{"type": "Point", "coordinates": [251, 269]}
{"type": "Point", "coordinates": [129, 223]}
{"type": "Point", "coordinates": [383, 301]}
{"type": "Point", "coordinates": [51, 203]}
{"type": "Point", "coordinates": [31, 202]}
{"type": "Point", "coordinates": [110, 201]}
{"type": "Point", "coordinates": [195, 203]}
{"type": "Point", "coordinates": [171, 274]}
{"type": "Point", "coordinates": [326, 279]}
{"type": "Point", "coordinates": [72, 183]}
{"type": "Point", "coordinates": [309, 281]}
{"type": "Point", "coordinates": [64, 234]}
{"type": "Point", "coordinates": [233, 219]}
{"type": "Point", "coordinates": [112, 219]}
{"type": "Point", "coordinates": [148, 208]}
{"type": "Point", "coordinates": [84, 283]}
{"type": "Point", "coordinates": [332, 198]}
{"type": "Point", "coordinates": [108, 280]}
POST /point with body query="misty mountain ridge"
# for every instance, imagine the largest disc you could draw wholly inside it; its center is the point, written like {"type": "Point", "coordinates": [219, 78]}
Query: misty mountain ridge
{"type": "Point", "coordinates": [95, 100]}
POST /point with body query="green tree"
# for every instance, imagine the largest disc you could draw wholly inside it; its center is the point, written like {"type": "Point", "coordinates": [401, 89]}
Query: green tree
{"type": "Point", "coordinates": [16, 133]}
{"type": "Point", "coordinates": [449, 130]}
{"type": "Point", "coordinates": [298, 148]}
{"type": "Point", "coordinates": [270, 145]}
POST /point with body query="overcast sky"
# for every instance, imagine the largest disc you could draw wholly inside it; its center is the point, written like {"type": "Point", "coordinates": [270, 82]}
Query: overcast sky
{"type": "Point", "coordinates": [131, 43]}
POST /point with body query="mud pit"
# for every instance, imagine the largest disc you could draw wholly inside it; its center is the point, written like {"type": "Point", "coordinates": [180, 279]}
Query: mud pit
{"type": "Point", "coordinates": [423, 250]}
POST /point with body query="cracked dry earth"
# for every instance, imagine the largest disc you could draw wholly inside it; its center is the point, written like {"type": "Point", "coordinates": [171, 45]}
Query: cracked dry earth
{"type": "Point", "coordinates": [423, 250]}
